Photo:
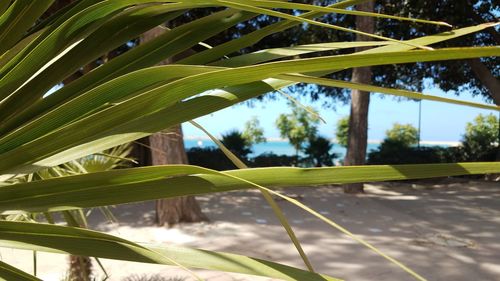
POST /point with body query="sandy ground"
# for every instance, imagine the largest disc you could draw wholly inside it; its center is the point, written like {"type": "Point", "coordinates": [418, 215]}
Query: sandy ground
{"type": "Point", "coordinates": [443, 230]}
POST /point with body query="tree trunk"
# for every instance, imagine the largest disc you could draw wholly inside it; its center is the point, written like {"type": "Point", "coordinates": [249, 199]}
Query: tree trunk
{"type": "Point", "coordinates": [167, 147]}
{"type": "Point", "coordinates": [484, 75]}
{"type": "Point", "coordinates": [360, 101]}
{"type": "Point", "coordinates": [487, 79]}
{"type": "Point", "coordinates": [80, 268]}
{"type": "Point", "coordinates": [141, 152]}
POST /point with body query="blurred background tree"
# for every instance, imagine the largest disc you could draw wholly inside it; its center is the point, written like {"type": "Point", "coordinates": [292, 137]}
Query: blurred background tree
{"type": "Point", "coordinates": [167, 148]}
{"type": "Point", "coordinates": [480, 141]}
{"type": "Point", "coordinates": [253, 132]}
{"type": "Point", "coordinates": [298, 127]}
{"type": "Point", "coordinates": [406, 134]}
{"type": "Point", "coordinates": [342, 131]}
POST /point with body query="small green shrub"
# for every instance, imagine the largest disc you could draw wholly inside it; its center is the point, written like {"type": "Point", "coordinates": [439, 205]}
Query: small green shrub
{"type": "Point", "coordinates": [214, 158]}
{"type": "Point", "coordinates": [318, 152]}
{"type": "Point", "coordinates": [271, 159]}
{"type": "Point", "coordinates": [209, 157]}
{"type": "Point", "coordinates": [481, 139]}
{"type": "Point", "coordinates": [237, 144]}
{"type": "Point", "coordinates": [397, 152]}
{"type": "Point", "coordinates": [405, 134]}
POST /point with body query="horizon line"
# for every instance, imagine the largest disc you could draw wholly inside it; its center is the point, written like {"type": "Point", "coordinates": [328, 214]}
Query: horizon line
{"type": "Point", "coordinates": [277, 139]}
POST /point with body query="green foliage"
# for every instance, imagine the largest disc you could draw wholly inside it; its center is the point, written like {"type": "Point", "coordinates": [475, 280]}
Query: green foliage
{"type": "Point", "coordinates": [481, 139]}
{"type": "Point", "coordinates": [298, 127]}
{"type": "Point", "coordinates": [273, 160]}
{"type": "Point", "coordinates": [342, 131]}
{"type": "Point", "coordinates": [405, 134]}
{"type": "Point", "coordinates": [209, 157]}
{"type": "Point", "coordinates": [454, 76]}
{"type": "Point", "coordinates": [397, 152]}
{"type": "Point", "coordinates": [113, 158]}
{"type": "Point", "coordinates": [483, 131]}
{"type": "Point", "coordinates": [236, 143]}
{"type": "Point", "coordinates": [253, 133]}
{"type": "Point", "coordinates": [214, 158]}
{"type": "Point", "coordinates": [398, 148]}
{"type": "Point", "coordinates": [318, 151]}
{"type": "Point", "coordinates": [126, 98]}
{"type": "Point", "coordinates": [480, 143]}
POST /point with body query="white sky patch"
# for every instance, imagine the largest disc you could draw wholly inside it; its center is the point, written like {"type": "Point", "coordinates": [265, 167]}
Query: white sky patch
{"type": "Point", "coordinates": [52, 90]}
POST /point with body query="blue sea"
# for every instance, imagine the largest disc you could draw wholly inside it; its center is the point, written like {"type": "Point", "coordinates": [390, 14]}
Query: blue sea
{"type": "Point", "coordinates": [276, 147]}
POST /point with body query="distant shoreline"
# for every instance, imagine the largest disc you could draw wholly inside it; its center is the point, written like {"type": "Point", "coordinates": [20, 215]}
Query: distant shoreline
{"type": "Point", "coordinates": [274, 139]}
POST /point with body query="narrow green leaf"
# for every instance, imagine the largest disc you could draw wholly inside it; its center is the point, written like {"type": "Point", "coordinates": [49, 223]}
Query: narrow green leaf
{"type": "Point", "coordinates": [235, 45]}
{"type": "Point", "coordinates": [233, 158]}
{"type": "Point", "coordinates": [99, 97]}
{"type": "Point", "coordinates": [148, 183]}
{"type": "Point", "coordinates": [18, 47]}
{"type": "Point", "coordinates": [35, 263]}
{"type": "Point", "coordinates": [4, 5]}
{"type": "Point", "coordinates": [278, 53]}
{"type": "Point", "coordinates": [375, 89]}
{"type": "Point", "coordinates": [84, 242]}
{"type": "Point", "coordinates": [316, 8]}
{"type": "Point", "coordinates": [8, 273]}
{"type": "Point", "coordinates": [35, 155]}
{"type": "Point", "coordinates": [103, 269]}
{"type": "Point", "coordinates": [18, 18]}
{"type": "Point", "coordinates": [170, 116]}
{"type": "Point", "coordinates": [313, 22]}
{"type": "Point", "coordinates": [64, 36]}
{"type": "Point", "coordinates": [107, 37]}
{"type": "Point", "coordinates": [49, 27]}
{"type": "Point", "coordinates": [145, 55]}
{"type": "Point", "coordinates": [62, 15]}
{"type": "Point", "coordinates": [350, 234]}
{"type": "Point", "coordinates": [267, 196]}
{"type": "Point", "coordinates": [309, 110]}
{"type": "Point", "coordinates": [336, 226]}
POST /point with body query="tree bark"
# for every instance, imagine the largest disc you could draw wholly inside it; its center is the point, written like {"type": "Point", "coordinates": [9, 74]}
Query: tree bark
{"type": "Point", "coordinates": [360, 101]}
{"type": "Point", "coordinates": [167, 147]}
{"type": "Point", "coordinates": [487, 78]}
{"type": "Point", "coordinates": [80, 268]}
{"type": "Point", "coordinates": [141, 152]}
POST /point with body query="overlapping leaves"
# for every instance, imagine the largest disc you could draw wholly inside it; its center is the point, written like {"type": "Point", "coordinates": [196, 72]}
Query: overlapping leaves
{"type": "Point", "coordinates": [127, 98]}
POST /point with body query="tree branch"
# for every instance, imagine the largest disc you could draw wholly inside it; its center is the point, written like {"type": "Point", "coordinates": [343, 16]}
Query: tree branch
{"type": "Point", "coordinates": [487, 79]}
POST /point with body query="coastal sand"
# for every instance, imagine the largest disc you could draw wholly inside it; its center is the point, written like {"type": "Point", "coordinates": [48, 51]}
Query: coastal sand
{"type": "Point", "coordinates": [442, 230]}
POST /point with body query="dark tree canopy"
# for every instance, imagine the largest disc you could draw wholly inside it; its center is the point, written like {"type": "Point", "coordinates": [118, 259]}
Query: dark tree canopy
{"type": "Point", "coordinates": [453, 76]}
{"type": "Point", "coordinates": [449, 76]}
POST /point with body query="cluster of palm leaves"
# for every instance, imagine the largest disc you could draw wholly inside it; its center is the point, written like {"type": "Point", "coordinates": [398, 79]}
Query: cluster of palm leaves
{"type": "Point", "coordinates": [127, 98]}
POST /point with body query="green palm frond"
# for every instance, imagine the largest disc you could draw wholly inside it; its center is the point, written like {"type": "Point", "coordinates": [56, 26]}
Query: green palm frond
{"type": "Point", "coordinates": [51, 146]}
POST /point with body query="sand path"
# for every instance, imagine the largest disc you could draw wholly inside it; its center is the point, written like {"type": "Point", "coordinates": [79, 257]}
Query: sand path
{"type": "Point", "coordinates": [446, 231]}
